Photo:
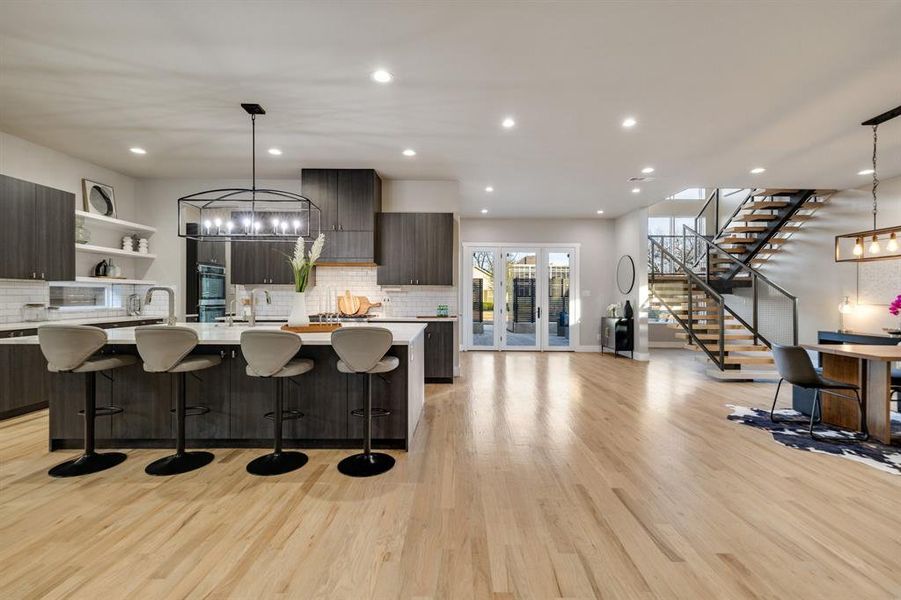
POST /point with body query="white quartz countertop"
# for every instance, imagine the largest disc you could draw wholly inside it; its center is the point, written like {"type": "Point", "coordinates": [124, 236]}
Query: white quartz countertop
{"type": "Point", "coordinates": [267, 320]}
{"type": "Point", "coordinates": [218, 334]}
{"type": "Point", "coordinates": [91, 321]}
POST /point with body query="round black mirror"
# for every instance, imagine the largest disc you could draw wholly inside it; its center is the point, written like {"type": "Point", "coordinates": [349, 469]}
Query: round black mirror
{"type": "Point", "coordinates": [625, 274]}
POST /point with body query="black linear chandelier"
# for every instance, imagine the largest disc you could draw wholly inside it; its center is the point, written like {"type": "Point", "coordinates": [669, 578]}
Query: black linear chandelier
{"type": "Point", "coordinates": [248, 214]}
{"type": "Point", "coordinates": [865, 246]}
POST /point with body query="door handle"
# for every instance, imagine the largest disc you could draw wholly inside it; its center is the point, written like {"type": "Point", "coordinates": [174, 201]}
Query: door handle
{"type": "Point", "coordinates": [539, 312]}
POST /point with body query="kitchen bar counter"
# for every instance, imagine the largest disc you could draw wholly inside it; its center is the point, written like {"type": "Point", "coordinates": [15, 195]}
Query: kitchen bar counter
{"type": "Point", "coordinates": [91, 321]}
{"type": "Point", "coordinates": [237, 402]}
{"type": "Point", "coordinates": [219, 334]}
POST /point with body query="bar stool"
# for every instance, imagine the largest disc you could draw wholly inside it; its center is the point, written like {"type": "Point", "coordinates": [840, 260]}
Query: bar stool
{"type": "Point", "coordinates": [167, 349]}
{"type": "Point", "coordinates": [362, 350]}
{"type": "Point", "coordinates": [270, 353]}
{"type": "Point", "coordinates": [72, 349]}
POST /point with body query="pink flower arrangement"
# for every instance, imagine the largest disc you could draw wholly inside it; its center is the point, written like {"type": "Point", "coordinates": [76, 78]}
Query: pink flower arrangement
{"type": "Point", "coordinates": [895, 306]}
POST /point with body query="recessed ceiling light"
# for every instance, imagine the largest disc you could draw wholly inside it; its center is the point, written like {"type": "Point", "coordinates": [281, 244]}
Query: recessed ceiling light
{"type": "Point", "coordinates": [629, 122]}
{"type": "Point", "coordinates": [600, 212]}
{"type": "Point", "coordinates": [489, 189]}
{"type": "Point", "coordinates": [508, 123]}
{"type": "Point", "coordinates": [636, 190]}
{"type": "Point", "coordinates": [137, 150]}
{"type": "Point", "coordinates": [865, 172]}
{"type": "Point", "coordinates": [484, 211]}
{"type": "Point", "coordinates": [409, 152]}
{"type": "Point", "coordinates": [647, 170]}
{"type": "Point", "coordinates": [382, 76]}
{"type": "Point", "coordinates": [757, 170]}
{"type": "Point", "coordinates": [275, 152]}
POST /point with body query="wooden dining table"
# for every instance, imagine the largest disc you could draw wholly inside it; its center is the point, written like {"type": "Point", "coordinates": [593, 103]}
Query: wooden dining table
{"type": "Point", "coordinates": [868, 366]}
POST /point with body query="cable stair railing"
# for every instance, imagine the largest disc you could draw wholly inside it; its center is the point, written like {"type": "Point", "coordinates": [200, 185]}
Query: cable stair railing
{"type": "Point", "coordinates": [733, 321]}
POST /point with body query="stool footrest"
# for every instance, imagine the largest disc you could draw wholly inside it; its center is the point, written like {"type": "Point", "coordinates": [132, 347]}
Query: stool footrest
{"type": "Point", "coordinates": [193, 411]}
{"type": "Point", "coordinates": [105, 411]}
{"type": "Point", "coordinates": [376, 412]}
{"type": "Point", "coordinates": [289, 414]}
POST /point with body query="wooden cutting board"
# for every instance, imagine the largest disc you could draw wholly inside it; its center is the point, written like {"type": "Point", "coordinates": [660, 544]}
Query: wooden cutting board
{"type": "Point", "coordinates": [348, 304]}
{"type": "Point", "coordinates": [313, 328]}
{"type": "Point", "coordinates": [365, 305]}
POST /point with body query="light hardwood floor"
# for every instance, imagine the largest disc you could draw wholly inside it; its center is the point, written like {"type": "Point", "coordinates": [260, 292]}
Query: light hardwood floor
{"type": "Point", "coordinates": [534, 476]}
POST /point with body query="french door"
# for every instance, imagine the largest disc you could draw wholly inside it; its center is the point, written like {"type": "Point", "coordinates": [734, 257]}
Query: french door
{"type": "Point", "coordinates": [520, 297]}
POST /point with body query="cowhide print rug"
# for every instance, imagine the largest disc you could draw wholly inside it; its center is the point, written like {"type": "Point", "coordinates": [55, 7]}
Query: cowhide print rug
{"type": "Point", "coordinates": [794, 435]}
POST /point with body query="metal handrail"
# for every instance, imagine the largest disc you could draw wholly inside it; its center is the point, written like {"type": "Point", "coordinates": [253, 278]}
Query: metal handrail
{"type": "Point", "coordinates": [761, 276]}
{"type": "Point", "coordinates": [756, 276]}
{"type": "Point", "coordinates": [737, 210]}
{"type": "Point", "coordinates": [720, 360]}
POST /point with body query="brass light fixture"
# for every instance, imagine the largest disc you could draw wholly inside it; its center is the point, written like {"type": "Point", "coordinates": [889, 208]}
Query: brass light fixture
{"type": "Point", "coordinates": [874, 251]}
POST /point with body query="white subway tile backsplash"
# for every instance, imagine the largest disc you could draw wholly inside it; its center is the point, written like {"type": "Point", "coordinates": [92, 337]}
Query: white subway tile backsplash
{"type": "Point", "coordinates": [397, 301]}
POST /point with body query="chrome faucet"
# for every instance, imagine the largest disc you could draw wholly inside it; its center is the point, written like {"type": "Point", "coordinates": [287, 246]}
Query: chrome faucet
{"type": "Point", "coordinates": [232, 312]}
{"type": "Point", "coordinates": [253, 304]}
{"type": "Point", "coordinates": [171, 293]}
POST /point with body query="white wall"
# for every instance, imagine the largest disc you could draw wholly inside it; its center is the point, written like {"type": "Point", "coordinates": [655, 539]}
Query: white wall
{"type": "Point", "coordinates": [807, 268]}
{"type": "Point", "coordinates": [597, 256]}
{"type": "Point", "coordinates": [631, 237]}
{"type": "Point", "coordinates": [420, 196]}
{"type": "Point", "coordinates": [22, 159]}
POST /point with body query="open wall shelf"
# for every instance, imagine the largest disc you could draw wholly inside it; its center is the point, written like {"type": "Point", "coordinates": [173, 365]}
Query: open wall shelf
{"type": "Point", "coordinates": [92, 220]}
{"type": "Point", "coordinates": [91, 249]}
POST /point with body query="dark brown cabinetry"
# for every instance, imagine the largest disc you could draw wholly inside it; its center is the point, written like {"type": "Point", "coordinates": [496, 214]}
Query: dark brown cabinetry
{"type": "Point", "coordinates": [238, 404]}
{"type": "Point", "coordinates": [348, 200]}
{"type": "Point", "coordinates": [439, 352]}
{"type": "Point", "coordinates": [37, 233]}
{"type": "Point", "coordinates": [211, 253]}
{"type": "Point", "coordinates": [415, 248]}
{"type": "Point", "coordinates": [256, 263]}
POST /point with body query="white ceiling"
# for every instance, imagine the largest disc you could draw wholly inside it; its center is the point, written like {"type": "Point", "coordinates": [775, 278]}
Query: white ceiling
{"type": "Point", "coordinates": [717, 88]}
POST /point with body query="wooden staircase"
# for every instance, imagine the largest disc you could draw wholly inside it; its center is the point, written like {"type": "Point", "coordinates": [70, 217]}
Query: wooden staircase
{"type": "Point", "coordinates": [744, 356]}
{"type": "Point", "coordinates": [764, 222]}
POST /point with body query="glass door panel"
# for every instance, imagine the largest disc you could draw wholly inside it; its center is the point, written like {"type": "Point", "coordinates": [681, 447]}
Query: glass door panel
{"type": "Point", "coordinates": [559, 263]}
{"type": "Point", "coordinates": [483, 261]}
{"type": "Point", "coordinates": [521, 298]}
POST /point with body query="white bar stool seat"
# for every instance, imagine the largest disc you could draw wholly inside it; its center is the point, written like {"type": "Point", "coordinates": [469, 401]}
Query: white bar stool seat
{"type": "Point", "coordinates": [270, 353]}
{"type": "Point", "coordinates": [362, 350]}
{"type": "Point", "coordinates": [167, 349]}
{"type": "Point", "coordinates": [72, 349]}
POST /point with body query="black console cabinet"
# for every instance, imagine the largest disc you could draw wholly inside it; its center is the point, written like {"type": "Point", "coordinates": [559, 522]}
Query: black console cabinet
{"type": "Point", "coordinates": [618, 334]}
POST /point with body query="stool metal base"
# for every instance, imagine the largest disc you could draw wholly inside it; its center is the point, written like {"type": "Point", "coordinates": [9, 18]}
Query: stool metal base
{"type": "Point", "coordinates": [366, 464]}
{"type": "Point", "coordinates": [87, 463]}
{"type": "Point", "coordinates": [277, 463]}
{"type": "Point", "coordinates": [180, 462]}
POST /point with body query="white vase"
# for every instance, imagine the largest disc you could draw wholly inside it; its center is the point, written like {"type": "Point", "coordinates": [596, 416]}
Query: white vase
{"type": "Point", "coordinates": [299, 316]}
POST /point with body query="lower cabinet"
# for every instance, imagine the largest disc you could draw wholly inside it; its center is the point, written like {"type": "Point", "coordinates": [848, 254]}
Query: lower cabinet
{"type": "Point", "coordinates": [22, 380]}
{"type": "Point", "coordinates": [439, 351]}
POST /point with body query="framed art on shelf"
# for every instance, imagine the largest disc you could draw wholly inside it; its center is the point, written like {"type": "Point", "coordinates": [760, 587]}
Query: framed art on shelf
{"type": "Point", "coordinates": [99, 198]}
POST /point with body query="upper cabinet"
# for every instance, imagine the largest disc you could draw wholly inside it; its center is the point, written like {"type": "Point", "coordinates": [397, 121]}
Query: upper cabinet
{"type": "Point", "coordinates": [348, 200]}
{"type": "Point", "coordinates": [37, 231]}
{"type": "Point", "coordinates": [259, 263]}
{"type": "Point", "coordinates": [415, 249]}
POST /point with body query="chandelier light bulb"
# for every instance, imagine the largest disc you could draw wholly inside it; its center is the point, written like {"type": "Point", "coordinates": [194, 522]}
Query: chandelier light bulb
{"type": "Point", "coordinates": [858, 247]}
{"type": "Point", "coordinates": [284, 227]}
{"type": "Point", "coordinates": [892, 243]}
{"type": "Point", "coordinates": [874, 246]}
{"type": "Point", "coordinates": [229, 226]}
{"type": "Point", "coordinates": [257, 225]}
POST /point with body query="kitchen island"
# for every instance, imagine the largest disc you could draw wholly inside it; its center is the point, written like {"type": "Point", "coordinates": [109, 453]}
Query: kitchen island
{"type": "Point", "coordinates": [236, 402]}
